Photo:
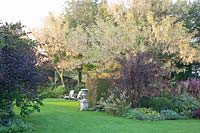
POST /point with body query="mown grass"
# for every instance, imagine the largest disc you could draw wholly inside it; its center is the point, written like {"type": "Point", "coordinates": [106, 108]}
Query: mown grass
{"type": "Point", "coordinates": [61, 116]}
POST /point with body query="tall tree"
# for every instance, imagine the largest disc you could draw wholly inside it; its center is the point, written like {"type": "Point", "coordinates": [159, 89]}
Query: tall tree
{"type": "Point", "coordinates": [81, 12]}
{"type": "Point", "coordinates": [192, 21]}
{"type": "Point", "coordinates": [52, 36]}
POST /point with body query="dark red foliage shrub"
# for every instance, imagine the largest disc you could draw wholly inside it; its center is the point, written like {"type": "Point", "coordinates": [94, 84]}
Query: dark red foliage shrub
{"type": "Point", "coordinates": [197, 114]}
{"type": "Point", "coordinates": [190, 86]}
{"type": "Point", "coordinates": [21, 72]}
{"type": "Point", "coordinates": [194, 87]}
{"type": "Point", "coordinates": [140, 74]}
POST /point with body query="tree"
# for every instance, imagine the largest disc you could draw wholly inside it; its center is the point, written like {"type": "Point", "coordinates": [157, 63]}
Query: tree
{"type": "Point", "coordinates": [81, 12]}
{"type": "Point", "coordinates": [21, 71]}
{"type": "Point", "coordinates": [52, 36]}
{"type": "Point", "coordinates": [192, 19]}
{"type": "Point", "coordinates": [187, 13]}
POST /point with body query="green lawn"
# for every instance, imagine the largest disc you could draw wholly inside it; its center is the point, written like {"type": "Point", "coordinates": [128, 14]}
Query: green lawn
{"type": "Point", "coordinates": [60, 116]}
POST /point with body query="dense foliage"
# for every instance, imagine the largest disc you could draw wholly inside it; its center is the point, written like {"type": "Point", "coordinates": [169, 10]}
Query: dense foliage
{"type": "Point", "coordinates": [197, 114]}
{"type": "Point", "coordinates": [143, 114]}
{"type": "Point", "coordinates": [21, 71]}
{"type": "Point", "coordinates": [16, 126]}
{"type": "Point", "coordinates": [140, 75]}
{"type": "Point", "coordinates": [191, 19]}
{"type": "Point", "coordinates": [57, 92]}
{"type": "Point", "coordinates": [185, 105]}
{"type": "Point", "coordinates": [190, 86]}
{"type": "Point", "coordinates": [157, 103]}
{"type": "Point", "coordinates": [170, 115]}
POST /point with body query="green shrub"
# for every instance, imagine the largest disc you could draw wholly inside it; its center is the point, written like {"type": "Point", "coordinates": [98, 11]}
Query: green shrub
{"type": "Point", "coordinates": [102, 86]}
{"type": "Point", "coordinates": [5, 116]}
{"type": "Point", "coordinates": [98, 88]}
{"type": "Point", "coordinates": [143, 114]}
{"type": "Point", "coordinates": [48, 94]}
{"type": "Point", "coordinates": [78, 87]}
{"type": "Point", "coordinates": [59, 91]}
{"type": "Point", "coordinates": [182, 104]}
{"type": "Point", "coordinates": [3, 129]}
{"type": "Point", "coordinates": [14, 126]}
{"type": "Point", "coordinates": [185, 104]}
{"type": "Point", "coordinates": [170, 115]}
{"type": "Point", "coordinates": [157, 103]}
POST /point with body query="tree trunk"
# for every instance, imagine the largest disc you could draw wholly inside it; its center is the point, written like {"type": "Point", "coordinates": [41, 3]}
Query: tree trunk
{"type": "Point", "coordinates": [79, 74]}
{"type": "Point", "coordinates": [60, 73]}
{"type": "Point", "coordinates": [62, 80]}
{"type": "Point", "coordinates": [54, 85]}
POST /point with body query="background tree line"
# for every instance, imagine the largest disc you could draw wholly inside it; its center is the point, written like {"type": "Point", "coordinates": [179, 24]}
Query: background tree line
{"type": "Point", "coordinates": [90, 35]}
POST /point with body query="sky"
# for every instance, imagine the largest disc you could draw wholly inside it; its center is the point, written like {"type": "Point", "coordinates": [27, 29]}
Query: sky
{"type": "Point", "coordinates": [30, 13]}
